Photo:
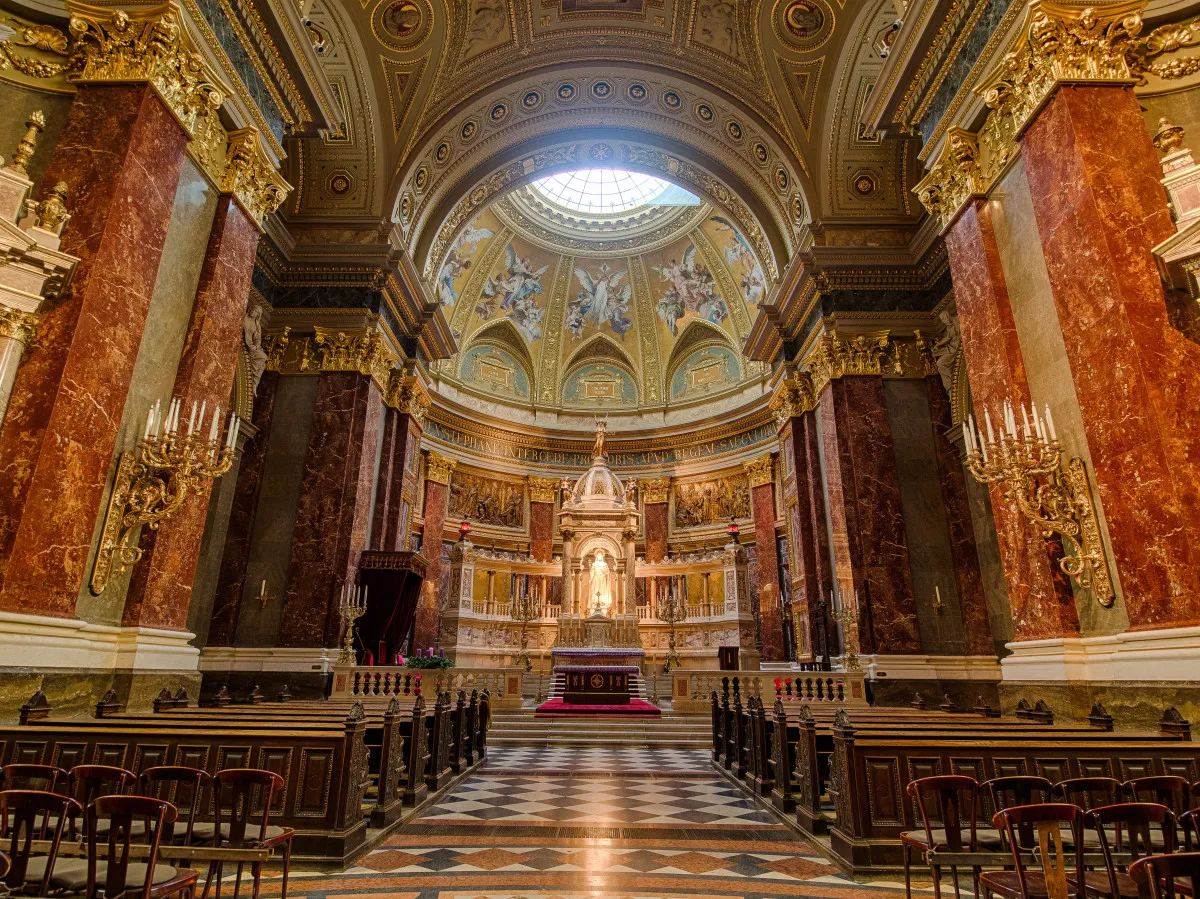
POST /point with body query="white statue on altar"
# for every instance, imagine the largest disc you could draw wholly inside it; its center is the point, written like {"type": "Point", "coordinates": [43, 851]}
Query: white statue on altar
{"type": "Point", "coordinates": [600, 586]}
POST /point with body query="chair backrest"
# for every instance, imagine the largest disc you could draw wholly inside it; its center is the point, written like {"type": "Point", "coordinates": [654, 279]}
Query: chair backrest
{"type": "Point", "coordinates": [45, 778]}
{"type": "Point", "coordinates": [240, 784]}
{"type": "Point", "coordinates": [19, 814]}
{"type": "Point", "coordinates": [1131, 823]}
{"type": "Point", "coordinates": [1165, 789]}
{"type": "Point", "coordinates": [90, 781]}
{"type": "Point", "coordinates": [1161, 874]}
{"type": "Point", "coordinates": [1189, 823]}
{"type": "Point", "coordinates": [5, 864]}
{"type": "Point", "coordinates": [951, 800]}
{"type": "Point", "coordinates": [1088, 792]}
{"type": "Point", "coordinates": [1018, 789]}
{"type": "Point", "coordinates": [183, 787]}
{"type": "Point", "coordinates": [1044, 823]}
{"type": "Point", "coordinates": [121, 811]}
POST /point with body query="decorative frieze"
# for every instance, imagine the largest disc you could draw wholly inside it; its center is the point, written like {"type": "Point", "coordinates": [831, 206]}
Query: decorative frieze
{"type": "Point", "coordinates": [834, 356]}
{"type": "Point", "coordinates": [760, 471]}
{"type": "Point", "coordinates": [361, 351]}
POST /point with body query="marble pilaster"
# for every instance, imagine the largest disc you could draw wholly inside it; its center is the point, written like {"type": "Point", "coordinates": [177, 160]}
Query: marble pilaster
{"type": "Point", "coordinates": [770, 598]}
{"type": "Point", "coordinates": [334, 509]}
{"type": "Point", "coordinates": [120, 156]}
{"type": "Point", "coordinates": [542, 492]}
{"type": "Point", "coordinates": [870, 548]}
{"type": "Point", "coordinates": [161, 587]}
{"type": "Point", "coordinates": [1094, 178]}
{"type": "Point", "coordinates": [809, 544]}
{"type": "Point", "coordinates": [390, 478]}
{"type": "Point", "coordinates": [1040, 606]}
{"type": "Point", "coordinates": [405, 455]}
{"type": "Point", "coordinates": [437, 499]}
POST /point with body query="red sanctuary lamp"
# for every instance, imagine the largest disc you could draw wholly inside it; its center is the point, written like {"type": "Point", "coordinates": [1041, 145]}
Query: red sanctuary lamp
{"type": "Point", "coordinates": [734, 530]}
{"type": "Point", "coordinates": [464, 530]}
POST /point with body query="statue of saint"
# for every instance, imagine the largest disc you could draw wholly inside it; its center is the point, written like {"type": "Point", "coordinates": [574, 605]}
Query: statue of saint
{"type": "Point", "coordinates": [601, 425]}
{"type": "Point", "coordinates": [600, 585]}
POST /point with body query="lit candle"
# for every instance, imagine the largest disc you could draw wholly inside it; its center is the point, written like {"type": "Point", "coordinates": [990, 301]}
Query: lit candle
{"type": "Point", "coordinates": [1050, 423]}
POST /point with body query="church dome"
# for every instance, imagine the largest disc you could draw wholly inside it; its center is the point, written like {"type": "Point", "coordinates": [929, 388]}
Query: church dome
{"type": "Point", "coordinates": [598, 486]}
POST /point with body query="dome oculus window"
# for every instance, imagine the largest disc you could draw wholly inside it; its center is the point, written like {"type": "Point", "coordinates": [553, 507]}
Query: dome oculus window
{"type": "Point", "coordinates": [606, 190]}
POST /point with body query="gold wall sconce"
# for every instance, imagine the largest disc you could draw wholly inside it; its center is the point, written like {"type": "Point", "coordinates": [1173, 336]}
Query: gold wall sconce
{"type": "Point", "coordinates": [156, 477]}
{"type": "Point", "coordinates": [1029, 468]}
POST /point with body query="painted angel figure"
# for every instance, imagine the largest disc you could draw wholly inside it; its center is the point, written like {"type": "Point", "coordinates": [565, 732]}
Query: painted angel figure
{"type": "Point", "coordinates": [739, 252]}
{"type": "Point", "coordinates": [602, 299]}
{"type": "Point", "coordinates": [458, 261]}
{"type": "Point", "coordinates": [516, 291]}
{"type": "Point", "coordinates": [691, 290]}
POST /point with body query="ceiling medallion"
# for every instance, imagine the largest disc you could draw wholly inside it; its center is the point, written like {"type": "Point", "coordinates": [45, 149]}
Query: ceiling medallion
{"type": "Point", "coordinates": [468, 130]}
{"type": "Point", "coordinates": [532, 99]}
{"type": "Point", "coordinates": [705, 113]}
{"type": "Point", "coordinates": [442, 153]}
{"type": "Point", "coordinates": [421, 179]}
{"type": "Point", "coordinates": [499, 113]}
{"type": "Point", "coordinates": [340, 183]}
{"type": "Point", "coordinates": [402, 23]}
{"type": "Point", "coordinates": [805, 24]}
{"type": "Point", "coordinates": [636, 92]}
{"type": "Point", "coordinates": [864, 183]}
{"type": "Point", "coordinates": [601, 152]}
{"type": "Point", "coordinates": [602, 90]}
{"type": "Point", "coordinates": [671, 100]}
{"type": "Point", "coordinates": [406, 208]}
{"type": "Point", "coordinates": [781, 180]}
{"type": "Point", "coordinates": [565, 92]}
{"type": "Point", "coordinates": [760, 154]}
{"type": "Point", "coordinates": [734, 130]}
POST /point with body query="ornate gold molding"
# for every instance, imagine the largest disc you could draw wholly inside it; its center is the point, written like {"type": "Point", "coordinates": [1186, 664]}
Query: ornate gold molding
{"type": "Point", "coordinates": [361, 351]}
{"type": "Point", "coordinates": [18, 325]}
{"type": "Point", "coordinates": [407, 395]}
{"type": "Point", "coordinates": [542, 490]}
{"type": "Point", "coordinates": [251, 177]}
{"type": "Point", "coordinates": [760, 471]}
{"type": "Point", "coordinates": [439, 469]}
{"type": "Point", "coordinates": [793, 396]}
{"type": "Point", "coordinates": [655, 490]}
{"type": "Point", "coordinates": [834, 356]}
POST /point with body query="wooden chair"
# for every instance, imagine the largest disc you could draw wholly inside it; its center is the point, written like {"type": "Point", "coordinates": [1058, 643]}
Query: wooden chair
{"type": "Point", "coordinates": [1038, 829]}
{"type": "Point", "coordinates": [116, 875]}
{"type": "Point", "coordinates": [1189, 823]}
{"type": "Point", "coordinates": [91, 781]}
{"type": "Point", "coordinates": [20, 776]}
{"type": "Point", "coordinates": [1165, 789]}
{"type": "Point", "coordinates": [1088, 793]}
{"type": "Point", "coordinates": [957, 805]}
{"type": "Point", "coordinates": [20, 811]}
{"type": "Point", "coordinates": [1014, 790]}
{"type": "Point", "coordinates": [242, 784]}
{"type": "Point", "coordinates": [1132, 823]}
{"type": "Point", "coordinates": [182, 785]}
{"type": "Point", "coordinates": [1166, 876]}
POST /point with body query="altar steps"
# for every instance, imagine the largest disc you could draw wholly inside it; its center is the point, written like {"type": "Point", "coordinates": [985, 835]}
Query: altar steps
{"type": "Point", "coordinates": [520, 728]}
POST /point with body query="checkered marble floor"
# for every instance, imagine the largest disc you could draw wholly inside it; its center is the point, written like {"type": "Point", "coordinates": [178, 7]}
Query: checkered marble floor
{"type": "Point", "coordinates": [590, 824]}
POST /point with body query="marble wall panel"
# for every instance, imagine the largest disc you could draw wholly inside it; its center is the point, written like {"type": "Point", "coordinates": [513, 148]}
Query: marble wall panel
{"type": "Point", "coordinates": [120, 155]}
{"type": "Point", "coordinates": [1100, 209]}
{"type": "Point", "coordinates": [655, 522]}
{"type": "Point", "coordinates": [926, 523]}
{"type": "Point", "coordinates": [770, 599]}
{"type": "Point", "coordinates": [334, 511]}
{"type": "Point", "coordinates": [437, 498]}
{"type": "Point", "coordinates": [541, 531]}
{"type": "Point", "coordinates": [274, 517]}
{"type": "Point", "coordinates": [212, 546]}
{"type": "Point", "coordinates": [996, 370]}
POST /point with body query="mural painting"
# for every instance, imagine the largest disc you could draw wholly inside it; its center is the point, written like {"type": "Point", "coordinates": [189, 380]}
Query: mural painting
{"type": "Point", "coordinates": [452, 275]}
{"type": "Point", "coordinates": [687, 289]}
{"type": "Point", "coordinates": [705, 371]}
{"type": "Point", "coordinates": [495, 370]}
{"type": "Point", "coordinates": [603, 298]}
{"type": "Point", "coordinates": [739, 257]}
{"type": "Point", "coordinates": [515, 294]}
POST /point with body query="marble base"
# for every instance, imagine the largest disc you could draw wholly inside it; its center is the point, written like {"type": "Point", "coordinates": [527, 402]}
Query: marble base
{"type": "Point", "coordinates": [1133, 705]}
{"type": "Point", "coordinates": [1138, 656]}
{"type": "Point", "coordinates": [73, 693]}
{"type": "Point", "coordinates": [923, 667]}
{"type": "Point", "coordinates": [314, 660]}
{"type": "Point", "coordinates": [44, 642]}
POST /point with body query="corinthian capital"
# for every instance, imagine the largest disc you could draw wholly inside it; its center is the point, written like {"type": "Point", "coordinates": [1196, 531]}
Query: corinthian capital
{"type": "Point", "coordinates": [251, 176]}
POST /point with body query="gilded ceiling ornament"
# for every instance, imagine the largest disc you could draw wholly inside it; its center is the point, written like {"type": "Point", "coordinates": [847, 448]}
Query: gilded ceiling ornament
{"type": "Point", "coordinates": [274, 344]}
{"type": "Point", "coordinates": [543, 490]}
{"type": "Point", "coordinates": [251, 177]}
{"type": "Point", "coordinates": [18, 325]}
{"type": "Point", "coordinates": [40, 38]}
{"type": "Point", "coordinates": [655, 490]}
{"type": "Point", "coordinates": [439, 469]}
{"type": "Point", "coordinates": [760, 471]}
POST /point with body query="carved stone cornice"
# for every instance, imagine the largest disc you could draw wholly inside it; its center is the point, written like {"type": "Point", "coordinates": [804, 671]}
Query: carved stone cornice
{"type": "Point", "coordinates": [407, 395]}
{"type": "Point", "coordinates": [18, 325]}
{"type": "Point", "coordinates": [542, 490]}
{"type": "Point", "coordinates": [793, 396]}
{"type": "Point", "coordinates": [834, 356]}
{"type": "Point", "coordinates": [760, 471]}
{"type": "Point", "coordinates": [439, 469]}
{"type": "Point", "coordinates": [361, 351]}
{"type": "Point", "coordinates": [251, 177]}
{"type": "Point", "coordinates": [655, 490]}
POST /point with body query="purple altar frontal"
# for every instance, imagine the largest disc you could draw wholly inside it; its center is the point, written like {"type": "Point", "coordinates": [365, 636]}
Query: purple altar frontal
{"type": "Point", "coordinates": [594, 657]}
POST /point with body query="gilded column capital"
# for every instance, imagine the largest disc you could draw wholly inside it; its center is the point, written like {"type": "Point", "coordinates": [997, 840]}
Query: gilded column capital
{"type": "Point", "coordinates": [655, 490]}
{"type": "Point", "coordinates": [834, 356]}
{"type": "Point", "coordinates": [792, 397]}
{"type": "Point", "coordinates": [954, 177]}
{"type": "Point", "coordinates": [251, 176]}
{"type": "Point", "coordinates": [407, 395]}
{"type": "Point", "coordinates": [439, 469]}
{"type": "Point", "coordinates": [760, 471]}
{"type": "Point", "coordinates": [361, 351]}
{"type": "Point", "coordinates": [542, 490]}
{"type": "Point", "coordinates": [18, 325]}
{"type": "Point", "coordinates": [925, 357]}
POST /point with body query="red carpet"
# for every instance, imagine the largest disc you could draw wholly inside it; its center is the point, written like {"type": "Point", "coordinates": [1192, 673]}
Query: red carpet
{"type": "Point", "coordinates": [556, 708]}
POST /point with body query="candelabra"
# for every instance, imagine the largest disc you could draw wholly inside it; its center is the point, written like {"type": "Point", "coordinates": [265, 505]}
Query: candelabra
{"type": "Point", "coordinates": [156, 477]}
{"type": "Point", "coordinates": [351, 606]}
{"type": "Point", "coordinates": [524, 608]}
{"type": "Point", "coordinates": [849, 621]}
{"type": "Point", "coordinates": [1030, 471]}
{"type": "Point", "coordinates": [673, 609]}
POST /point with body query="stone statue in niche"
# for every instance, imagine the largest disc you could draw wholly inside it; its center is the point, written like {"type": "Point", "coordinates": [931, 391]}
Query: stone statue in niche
{"type": "Point", "coordinates": [709, 502]}
{"type": "Point", "coordinates": [485, 501]}
{"type": "Point", "coordinates": [947, 348]}
{"type": "Point", "coordinates": [252, 333]}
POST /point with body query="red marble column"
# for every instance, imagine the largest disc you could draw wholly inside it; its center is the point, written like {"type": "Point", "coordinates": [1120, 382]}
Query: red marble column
{"type": "Point", "coordinates": [541, 531]}
{"type": "Point", "coordinates": [437, 498]}
{"type": "Point", "coordinates": [331, 519]}
{"type": "Point", "coordinates": [656, 531]}
{"type": "Point", "coordinates": [1100, 209]}
{"type": "Point", "coordinates": [390, 478]}
{"type": "Point", "coordinates": [870, 545]}
{"type": "Point", "coordinates": [119, 155]}
{"type": "Point", "coordinates": [977, 625]}
{"type": "Point", "coordinates": [808, 588]}
{"type": "Point", "coordinates": [160, 589]}
{"type": "Point", "coordinates": [770, 599]}
{"type": "Point", "coordinates": [405, 455]}
{"type": "Point", "coordinates": [231, 581]}
{"type": "Point", "coordinates": [996, 370]}
{"type": "Point", "coordinates": [822, 621]}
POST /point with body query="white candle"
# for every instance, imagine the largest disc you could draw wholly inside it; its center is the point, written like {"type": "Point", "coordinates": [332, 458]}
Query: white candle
{"type": "Point", "coordinates": [216, 423]}
{"type": "Point", "coordinates": [200, 417]}
{"type": "Point", "coordinates": [149, 423]}
{"type": "Point", "coordinates": [192, 419]}
{"type": "Point", "coordinates": [966, 436]}
{"type": "Point", "coordinates": [262, 591]}
{"type": "Point", "coordinates": [1025, 429]}
{"type": "Point", "coordinates": [1050, 423]}
{"type": "Point", "coordinates": [937, 591]}
{"type": "Point", "coordinates": [987, 419]}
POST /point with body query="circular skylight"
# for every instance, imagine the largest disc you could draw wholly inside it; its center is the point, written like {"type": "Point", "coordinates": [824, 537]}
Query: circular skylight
{"type": "Point", "coordinates": [601, 190]}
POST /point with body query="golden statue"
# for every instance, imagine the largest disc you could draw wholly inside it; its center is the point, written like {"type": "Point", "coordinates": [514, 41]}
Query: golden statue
{"type": "Point", "coordinates": [601, 425]}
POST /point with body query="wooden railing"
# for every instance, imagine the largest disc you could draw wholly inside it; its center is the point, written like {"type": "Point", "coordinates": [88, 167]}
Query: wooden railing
{"type": "Point", "coordinates": [691, 690]}
{"type": "Point", "coordinates": [382, 682]}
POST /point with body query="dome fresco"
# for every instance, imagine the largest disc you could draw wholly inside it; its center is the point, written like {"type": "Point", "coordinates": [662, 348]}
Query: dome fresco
{"type": "Point", "coordinates": [641, 307]}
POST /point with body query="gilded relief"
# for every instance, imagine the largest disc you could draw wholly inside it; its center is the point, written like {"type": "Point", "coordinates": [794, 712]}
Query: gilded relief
{"type": "Point", "coordinates": [710, 502]}
{"type": "Point", "coordinates": [717, 26]}
{"type": "Point", "coordinates": [485, 501]}
{"type": "Point", "coordinates": [487, 28]}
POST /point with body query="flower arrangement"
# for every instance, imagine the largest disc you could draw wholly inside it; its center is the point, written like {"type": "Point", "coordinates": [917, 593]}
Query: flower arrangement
{"type": "Point", "coordinates": [428, 659]}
